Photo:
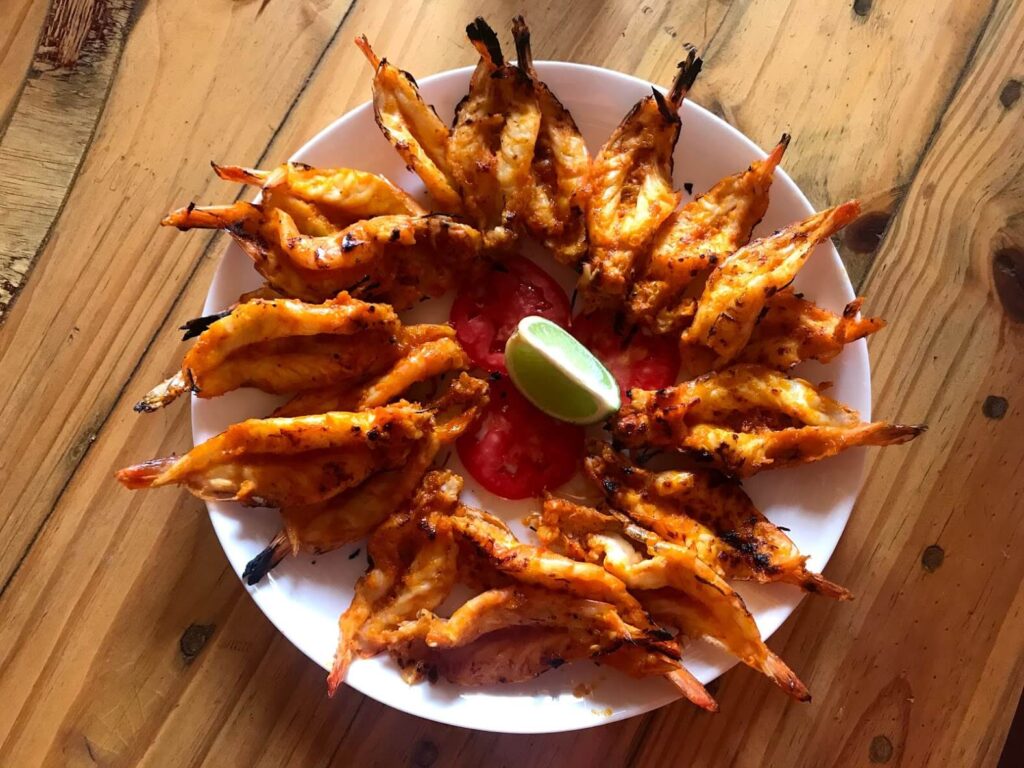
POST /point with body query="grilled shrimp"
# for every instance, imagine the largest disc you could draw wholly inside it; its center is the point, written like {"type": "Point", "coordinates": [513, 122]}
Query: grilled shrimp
{"type": "Point", "coordinates": [284, 345]}
{"type": "Point", "coordinates": [738, 288]}
{"type": "Point", "coordinates": [424, 361]}
{"type": "Point", "coordinates": [749, 418]}
{"type": "Point", "coordinates": [631, 191]}
{"type": "Point", "coordinates": [558, 189]}
{"type": "Point", "coordinates": [349, 516]}
{"type": "Point", "coordinates": [651, 566]}
{"type": "Point", "coordinates": [396, 258]}
{"type": "Point", "coordinates": [304, 460]}
{"type": "Point", "coordinates": [695, 239]}
{"type": "Point", "coordinates": [710, 514]}
{"type": "Point", "coordinates": [509, 655]}
{"type": "Point", "coordinates": [491, 145]}
{"type": "Point", "coordinates": [413, 128]}
{"type": "Point", "coordinates": [413, 569]}
{"type": "Point", "coordinates": [341, 196]}
{"type": "Point", "coordinates": [521, 605]}
{"type": "Point", "coordinates": [527, 631]}
{"type": "Point", "coordinates": [795, 329]}
{"type": "Point", "coordinates": [528, 564]}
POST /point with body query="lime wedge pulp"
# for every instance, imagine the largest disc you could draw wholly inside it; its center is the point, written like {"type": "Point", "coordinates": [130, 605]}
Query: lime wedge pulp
{"type": "Point", "coordinates": [558, 374]}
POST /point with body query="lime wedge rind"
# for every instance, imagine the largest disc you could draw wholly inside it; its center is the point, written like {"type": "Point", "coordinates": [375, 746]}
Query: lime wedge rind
{"type": "Point", "coordinates": [558, 374]}
{"type": "Point", "coordinates": [540, 325]}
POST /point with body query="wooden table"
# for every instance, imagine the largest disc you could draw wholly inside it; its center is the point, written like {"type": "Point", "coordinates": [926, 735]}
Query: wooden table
{"type": "Point", "coordinates": [125, 639]}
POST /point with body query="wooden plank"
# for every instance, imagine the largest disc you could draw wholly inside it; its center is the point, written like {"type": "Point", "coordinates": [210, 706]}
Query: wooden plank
{"type": "Point", "coordinates": [63, 95]}
{"type": "Point", "coordinates": [19, 38]}
{"type": "Point", "coordinates": [91, 668]}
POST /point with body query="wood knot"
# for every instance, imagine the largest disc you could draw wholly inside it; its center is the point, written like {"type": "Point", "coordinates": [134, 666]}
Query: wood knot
{"type": "Point", "coordinates": [865, 234]}
{"type": "Point", "coordinates": [193, 640]}
{"type": "Point", "coordinates": [932, 557]}
{"type": "Point", "coordinates": [1008, 275]}
{"type": "Point", "coordinates": [995, 407]}
{"type": "Point", "coordinates": [1010, 93]}
{"type": "Point", "coordinates": [880, 750]}
{"type": "Point", "coordinates": [424, 754]}
{"type": "Point", "coordinates": [862, 7]}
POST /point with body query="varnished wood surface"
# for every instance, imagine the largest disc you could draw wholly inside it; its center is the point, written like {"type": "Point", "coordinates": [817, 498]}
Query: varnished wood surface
{"type": "Point", "coordinates": [124, 637]}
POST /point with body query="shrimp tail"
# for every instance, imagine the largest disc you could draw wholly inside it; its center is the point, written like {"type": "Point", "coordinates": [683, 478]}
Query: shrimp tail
{"type": "Point", "coordinates": [163, 393]}
{"type": "Point", "coordinates": [775, 156]}
{"type": "Point", "coordinates": [144, 475]}
{"type": "Point", "coordinates": [817, 584]}
{"type": "Point", "coordinates": [689, 68]}
{"type": "Point", "coordinates": [692, 689]}
{"type": "Point", "coordinates": [240, 175]}
{"type": "Point", "coordinates": [776, 669]}
{"type": "Point", "coordinates": [893, 434]}
{"type": "Point", "coordinates": [850, 327]}
{"type": "Point", "coordinates": [212, 216]}
{"type": "Point", "coordinates": [339, 669]}
{"type": "Point", "coordinates": [197, 325]}
{"type": "Point", "coordinates": [524, 54]}
{"type": "Point", "coordinates": [279, 548]}
{"type": "Point", "coordinates": [485, 40]}
{"type": "Point", "coordinates": [364, 45]}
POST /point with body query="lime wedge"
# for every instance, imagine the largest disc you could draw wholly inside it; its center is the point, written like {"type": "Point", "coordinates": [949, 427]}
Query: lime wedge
{"type": "Point", "coordinates": [558, 374]}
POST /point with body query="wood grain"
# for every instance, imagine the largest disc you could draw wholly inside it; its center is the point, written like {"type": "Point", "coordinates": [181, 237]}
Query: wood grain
{"type": "Point", "coordinates": [62, 96]}
{"type": "Point", "coordinates": [19, 39]}
{"type": "Point", "coordinates": [126, 640]}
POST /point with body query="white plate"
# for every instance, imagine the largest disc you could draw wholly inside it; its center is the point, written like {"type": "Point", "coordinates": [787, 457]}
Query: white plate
{"type": "Point", "coordinates": [304, 596]}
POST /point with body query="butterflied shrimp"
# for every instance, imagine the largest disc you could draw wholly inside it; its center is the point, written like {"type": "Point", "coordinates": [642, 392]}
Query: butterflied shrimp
{"type": "Point", "coordinates": [509, 655]}
{"type": "Point", "coordinates": [694, 240]}
{"type": "Point", "coordinates": [492, 141]}
{"type": "Point", "coordinates": [341, 195]}
{"type": "Point", "coordinates": [420, 363]}
{"type": "Point", "coordinates": [749, 418]}
{"type": "Point", "coordinates": [532, 565]}
{"type": "Point", "coordinates": [413, 128]}
{"type": "Point", "coordinates": [283, 346]}
{"type": "Point", "coordinates": [695, 620]}
{"type": "Point", "coordinates": [397, 259]}
{"type": "Point", "coordinates": [632, 192]}
{"type": "Point", "coordinates": [794, 329]}
{"type": "Point", "coordinates": [413, 569]}
{"type": "Point", "coordinates": [304, 460]}
{"type": "Point", "coordinates": [738, 289]}
{"type": "Point", "coordinates": [583, 628]}
{"type": "Point", "coordinates": [317, 203]}
{"type": "Point", "coordinates": [710, 514]}
{"type": "Point", "coordinates": [559, 186]}
{"type": "Point", "coordinates": [255, 229]}
{"type": "Point", "coordinates": [692, 586]}
{"type": "Point", "coordinates": [302, 254]}
{"type": "Point", "coordinates": [350, 516]}
{"type": "Point", "coordinates": [521, 605]}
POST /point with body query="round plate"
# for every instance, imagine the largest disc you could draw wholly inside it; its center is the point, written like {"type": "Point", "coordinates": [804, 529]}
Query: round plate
{"type": "Point", "coordinates": [305, 595]}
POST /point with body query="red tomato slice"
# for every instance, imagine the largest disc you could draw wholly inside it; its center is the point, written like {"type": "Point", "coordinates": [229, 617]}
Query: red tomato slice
{"type": "Point", "coordinates": [515, 450]}
{"type": "Point", "coordinates": [636, 361]}
{"type": "Point", "coordinates": [486, 312]}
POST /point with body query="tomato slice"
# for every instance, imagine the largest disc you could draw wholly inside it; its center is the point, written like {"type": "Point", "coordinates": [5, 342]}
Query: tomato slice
{"type": "Point", "coordinates": [637, 360]}
{"type": "Point", "coordinates": [515, 450]}
{"type": "Point", "coordinates": [486, 312]}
